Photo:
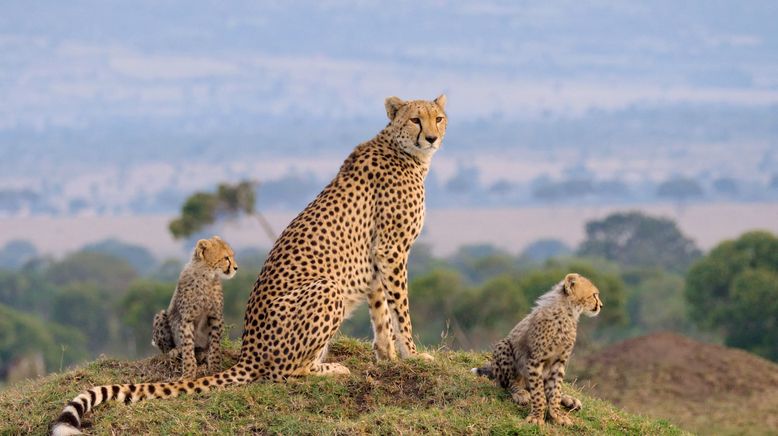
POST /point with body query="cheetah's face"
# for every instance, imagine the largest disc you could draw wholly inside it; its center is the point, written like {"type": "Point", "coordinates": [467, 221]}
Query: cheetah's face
{"type": "Point", "coordinates": [218, 255]}
{"type": "Point", "coordinates": [420, 124]}
{"type": "Point", "coordinates": [584, 294]}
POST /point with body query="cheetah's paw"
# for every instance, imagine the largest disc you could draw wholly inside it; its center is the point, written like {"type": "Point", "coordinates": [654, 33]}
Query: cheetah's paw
{"type": "Point", "coordinates": [537, 420]}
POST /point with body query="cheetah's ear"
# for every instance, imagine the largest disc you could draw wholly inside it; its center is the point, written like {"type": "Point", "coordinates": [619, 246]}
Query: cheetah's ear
{"type": "Point", "coordinates": [441, 101]}
{"type": "Point", "coordinates": [570, 280]}
{"type": "Point", "coordinates": [202, 245]}
{"type": "Point", "coordinates": [392, 105]}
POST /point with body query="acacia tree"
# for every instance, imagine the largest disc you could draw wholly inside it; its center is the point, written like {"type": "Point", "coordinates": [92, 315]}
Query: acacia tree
{"type": "Point", "coordinates": [633, 239]}
{"type": "Point", "coordinates": [734, 290]}
{"type": "Point", "coordinates": [205, 208]}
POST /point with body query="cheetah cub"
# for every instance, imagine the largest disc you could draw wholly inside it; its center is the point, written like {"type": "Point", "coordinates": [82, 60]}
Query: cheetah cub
{"type": "Point", "coordinates": [193, 323]}
{"type": "Point", "coordinates": [530, 361]}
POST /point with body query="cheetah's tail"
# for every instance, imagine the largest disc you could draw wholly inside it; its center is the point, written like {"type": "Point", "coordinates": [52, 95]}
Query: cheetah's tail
{"type": "Point", "coordinates": [69, 421]}
{"type": "Point", "coordinates": [485, 371]}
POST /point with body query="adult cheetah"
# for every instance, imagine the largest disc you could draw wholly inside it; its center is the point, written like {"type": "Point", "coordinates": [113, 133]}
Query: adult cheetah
{"type": "Point", "coordinates": [349, 245]}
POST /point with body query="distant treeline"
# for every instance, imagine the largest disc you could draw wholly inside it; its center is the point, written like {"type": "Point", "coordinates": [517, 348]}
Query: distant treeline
{"type": "Point", "coordinates": [465, 188]}
{"type": "Point", "coordinates": [102, 298]}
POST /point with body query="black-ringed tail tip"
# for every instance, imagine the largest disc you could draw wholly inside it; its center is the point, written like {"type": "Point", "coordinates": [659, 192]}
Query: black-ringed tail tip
{"type": "Point", "coordinates": [485, 371]}
{"type": "Point", "coordinates": [69, 421]}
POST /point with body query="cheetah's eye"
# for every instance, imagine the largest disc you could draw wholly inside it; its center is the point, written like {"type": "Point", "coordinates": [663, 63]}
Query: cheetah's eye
{"type": "Point", "coordinates": [226, 257]}
{"type": "Point", "coordinates": [416, 121]}
{"type": "Point", "coordinates": [438, 119]}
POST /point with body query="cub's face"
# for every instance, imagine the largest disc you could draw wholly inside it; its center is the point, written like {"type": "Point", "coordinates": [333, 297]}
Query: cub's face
{"type": "Point", "coordinates": [420, 124]}
{"type": "Point", "coordinates": [218, 255]}
{"type": "Point", "coordinates": [584, 294]}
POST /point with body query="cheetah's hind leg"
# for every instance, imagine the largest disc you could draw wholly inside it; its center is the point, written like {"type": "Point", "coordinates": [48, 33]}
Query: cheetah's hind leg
{"type": "Point", "coordinates": [329, 369]}
{"type": "Point", "coordinates": [323, 314]}
{"type": "Point", "coordinates": [319, 368]}
{"type": "Point", "coordinates": [519, 394]}
{"type": "Point", "coordinates": [570, 403]}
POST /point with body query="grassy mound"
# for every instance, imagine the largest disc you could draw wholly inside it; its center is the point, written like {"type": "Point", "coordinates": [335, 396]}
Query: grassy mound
{"type": "Point", "coordinates": [403, 397]}
{"type": "Point", "coordinates": [705, 388]}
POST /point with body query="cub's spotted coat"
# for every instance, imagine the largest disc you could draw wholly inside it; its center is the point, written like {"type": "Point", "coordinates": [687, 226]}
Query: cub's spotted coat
{"type": "Point", "coordinates": [530, 361]}
{"type": "Point", "coordinates": [349, 245]}
{"type": "Point", "coordinates": [193, 324]}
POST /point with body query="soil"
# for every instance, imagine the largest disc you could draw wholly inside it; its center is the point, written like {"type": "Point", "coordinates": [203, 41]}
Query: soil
{"type": "Point", "coordinates": [702, 387]}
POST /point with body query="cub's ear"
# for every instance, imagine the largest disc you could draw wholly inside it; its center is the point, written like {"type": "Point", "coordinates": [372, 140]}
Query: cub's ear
{"type": "Point", "coordinates": [202, 245]}
{"type": "Point", "coordinates": [392, 105]}
{"type": "Point", "coordinates": [441, 101]}
{"type": "Point", "coordinates": [570, 281]}
{"type": "Point", "coordinates": [216, 238]}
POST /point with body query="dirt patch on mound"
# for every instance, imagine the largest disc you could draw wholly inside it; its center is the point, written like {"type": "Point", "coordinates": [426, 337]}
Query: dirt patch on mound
{"type": "Point", "coordinates": [703, 387]}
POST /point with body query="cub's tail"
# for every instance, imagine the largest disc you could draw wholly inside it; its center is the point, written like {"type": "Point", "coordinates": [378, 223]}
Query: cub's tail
{"type": "Point", "coordinates": [69, 421]}
{"type": "Point", "coordinates": [485, 371]}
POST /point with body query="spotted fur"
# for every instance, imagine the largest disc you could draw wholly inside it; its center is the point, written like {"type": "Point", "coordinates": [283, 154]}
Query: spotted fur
{"type": "Point", "coordinates": [530, 361]}
{"type": "Point", "coordinates": [348, 246]}
{"type": "Point", "coordinates": [193, 324]}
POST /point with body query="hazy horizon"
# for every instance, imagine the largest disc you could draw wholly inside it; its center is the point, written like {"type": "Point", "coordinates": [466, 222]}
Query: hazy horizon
{"type": "Point", "coordinates": [109, 109]}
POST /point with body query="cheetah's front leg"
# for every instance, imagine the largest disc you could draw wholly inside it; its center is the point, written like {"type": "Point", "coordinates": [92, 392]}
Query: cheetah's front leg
{"type": "Point", "coordinates": [186, 341]}
{"type": "Point", "coordinates": [535, 381]}
{"type": "Point", "coordinates": [393, 276]}
{"type": "Point", "coordinates": [381, 318]}
{"type": "Point", "coordinates": [214, 357]}
{"type": "Point", "coordinates": [554, 391]}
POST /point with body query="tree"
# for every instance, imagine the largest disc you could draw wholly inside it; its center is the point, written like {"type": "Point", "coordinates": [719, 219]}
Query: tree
{"type": "Point", "coordinates": [679, 189]}
{"type": "Point", "coordinates": [481, 261]}
{"type": "Point", "coordinates": [753, 318]}
{"type": "Point", "coordinates": [90, 310]}
{"type": "Point", "coordinates": [544, 249]}
{"type": "Point", "coordinates": [203, 208]}
{"type": "Point", "coordinates": [144, 298]}
{"type": "Point", "coordinates": [16, 253]}
{"type": "Point", "coordinates": [655, 302]}
{"type": "Point", "coordinates": [734, 289]}
{"type": "Point", "coordinates": [572, 188]}
{"type": "Point", "coordinates": [467, 179]}
{"type": "Point", "coordinates": [21, 334]}
{"type": "Point", "coordinates": [726, 186]}
{"type": "Point", "coordinates": [103, 270]}
{"type": "Point", "coordinates": [26, 290]}
{"type": "Point", "coordinates": [139, 257]}
{"type": "Point", "coordinates": [633, 239]}
{"type": "Point", "coordinates": [433, 297]}
{"type": "Point", "coordinates": [488, 312]}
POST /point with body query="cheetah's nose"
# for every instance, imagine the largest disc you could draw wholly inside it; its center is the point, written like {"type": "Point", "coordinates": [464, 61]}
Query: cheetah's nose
{"type": "Point", "coordinates": [236, 267]}
{"type": "Point", "coordinates": [431, 139]}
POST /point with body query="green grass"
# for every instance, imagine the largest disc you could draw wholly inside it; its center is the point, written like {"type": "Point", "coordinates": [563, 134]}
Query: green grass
{"type": "Point", "coordinates": [405, 397]}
